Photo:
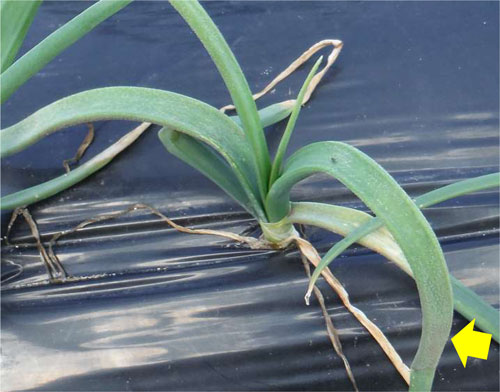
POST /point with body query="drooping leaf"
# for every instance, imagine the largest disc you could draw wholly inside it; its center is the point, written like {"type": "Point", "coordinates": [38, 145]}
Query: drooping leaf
{"type": "Point", "coordinates": [215, 44]}
{"type": "Point", "coordinates": [175, 111]}
{"type": "Point", "coordinates": [344, 221]}
{"type": "Point", "coordinates": [35, 59]}
{"type": "Point", "coordinates": [49, 188]}
{"type": "Point", "coordinates": [426, 200]}
{"type": "Point", "coordinates": [381, 193]}
{"type": "Point", "coordinates": [16, 18]}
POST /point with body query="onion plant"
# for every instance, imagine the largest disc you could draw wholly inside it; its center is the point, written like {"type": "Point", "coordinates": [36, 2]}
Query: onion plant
{"type": "Point", "coordinates": [233, 153]}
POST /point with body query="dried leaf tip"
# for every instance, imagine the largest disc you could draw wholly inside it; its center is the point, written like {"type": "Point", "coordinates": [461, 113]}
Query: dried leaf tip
{"type": "Point", "coordinates": [307, 297]}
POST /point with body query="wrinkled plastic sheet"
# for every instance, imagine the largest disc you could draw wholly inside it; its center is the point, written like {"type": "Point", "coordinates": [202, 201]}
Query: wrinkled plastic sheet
{"type": "Point", "coordinates": [415, 87]}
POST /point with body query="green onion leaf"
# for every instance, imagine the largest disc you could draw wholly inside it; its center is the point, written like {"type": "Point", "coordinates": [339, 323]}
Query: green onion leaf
{"type": "Point", "coordinates": [50, 188]}
{"type": "Point", "coordinates": [226, 63]}
{"type": "Point", "coordinates": [381, 193]}
{"type": "Point", "coordinates": [285, 139]}
{"type": "Point", "coordinates": [434, 197]}
{"type": "Point", "coordinates": [34, 60]}
{"type": "Point", "coordinates": [16, 18]}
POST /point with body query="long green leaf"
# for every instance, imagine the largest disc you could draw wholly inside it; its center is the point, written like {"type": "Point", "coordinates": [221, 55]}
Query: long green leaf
{"type": "Point", "coordinates": [226, 63]}
{"type": "Point", "coordinates": [50, 188]}
{"type": "Point", "coordinates": [426, 200]}
{"type": "Point", "coordinates": [381, 193]}
{"type": "Point", "coordinates": [168, 109]}
{"type": "Point", "coordinates": [34, 60]}
{"type": "Point", "coordinates": [16, 18]}
{"type": "Point", "coordinates": [458, 189]}
{"type": "Point", "coordinates": [344, 221]}
{"type": "Point", "coordinates": [472, 306]}
{"type": "Point", "coordinates": [285, 139]}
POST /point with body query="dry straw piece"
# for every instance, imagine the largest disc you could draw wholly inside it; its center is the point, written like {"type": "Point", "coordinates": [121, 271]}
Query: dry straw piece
{"type": "Point", "coordinates": [304, 57]}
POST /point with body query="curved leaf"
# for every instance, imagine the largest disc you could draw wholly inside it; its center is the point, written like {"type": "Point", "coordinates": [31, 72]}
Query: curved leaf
{"type": "Point", "coordinates": [215, 44]}
{"type": "Point", "coordinates": [426, 200]}
{"type": "Point", "coordinates": [50, 188]}
{"type": "Point", "coordinates": [168, 109]}
{"type": "Point", "coordinates": [381, 193]}
{"type": "Point", "coordinates": [35, 59]}
{"type": "Point", "coordinates": [345, 221]}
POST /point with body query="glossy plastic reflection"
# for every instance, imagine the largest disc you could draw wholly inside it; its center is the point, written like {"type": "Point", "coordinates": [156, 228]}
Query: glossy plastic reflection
{"type": "Point", "coordinates": [416, 87]}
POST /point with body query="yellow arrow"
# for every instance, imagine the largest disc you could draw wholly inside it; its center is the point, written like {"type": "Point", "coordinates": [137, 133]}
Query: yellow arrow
{"type": "Point", "coordinates": [470, 343]}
